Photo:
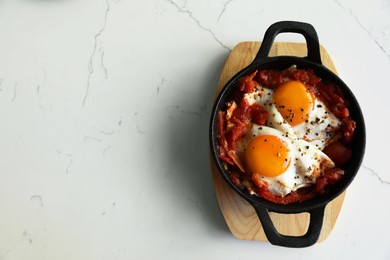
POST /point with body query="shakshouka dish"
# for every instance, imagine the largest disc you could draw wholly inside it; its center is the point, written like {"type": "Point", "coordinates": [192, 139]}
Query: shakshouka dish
{"type": "Point", "coordinates": [285, 135]}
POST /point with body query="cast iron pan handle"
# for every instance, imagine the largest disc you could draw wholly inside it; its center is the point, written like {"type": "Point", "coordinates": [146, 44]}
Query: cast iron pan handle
{"type": "Point", "coordinates": [307, 30]}
{"type": "Point", "coordinates": [308, 239]}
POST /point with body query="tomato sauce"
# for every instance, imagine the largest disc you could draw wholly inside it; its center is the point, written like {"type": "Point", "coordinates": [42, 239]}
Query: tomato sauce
{"type": "Point", "coordinates": [240, 115]}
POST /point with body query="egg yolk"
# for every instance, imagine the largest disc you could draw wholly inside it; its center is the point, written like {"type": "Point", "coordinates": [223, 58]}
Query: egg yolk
{"type": "Point", "coordinates": [267, 155]}
{"type": "Point", "coordinates": [293, 102]}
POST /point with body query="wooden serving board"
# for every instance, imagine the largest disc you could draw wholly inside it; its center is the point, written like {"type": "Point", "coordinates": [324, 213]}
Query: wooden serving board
{"type": "Point", "coordinates": [239, 215]}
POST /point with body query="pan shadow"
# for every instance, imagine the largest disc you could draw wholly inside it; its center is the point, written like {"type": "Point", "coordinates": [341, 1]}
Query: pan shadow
{"type": "Point", "coordinates": [189, 149]}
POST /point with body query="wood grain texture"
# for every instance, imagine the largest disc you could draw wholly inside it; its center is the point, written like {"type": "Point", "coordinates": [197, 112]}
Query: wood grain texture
{"type": "Point", "coordinates": [239, 215]}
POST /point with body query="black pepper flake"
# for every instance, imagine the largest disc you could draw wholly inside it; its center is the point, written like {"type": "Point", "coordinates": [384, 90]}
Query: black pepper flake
{"type": "Point", "coordinates": [265, 140]}
{"type": "Point", "coordinates": [302, 109]}
{"type": "Point", "coordinates": [319, 105]}
{"type": "Point", "coordinates": [307, 147]}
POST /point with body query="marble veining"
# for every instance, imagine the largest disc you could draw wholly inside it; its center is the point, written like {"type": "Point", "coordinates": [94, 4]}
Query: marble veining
{"type": "Point", "coordinates": [69, 158]}
{"type": "Point", "coordinates": [385, 30]}
{"type": "Point", "coordinates": [102, 64]}
{"type": "Point", "coordinates": [225, 5]}
{"type": "Point", "coordinates": [38, 199]}
{"type": "Point", "coordinates": [94, 50]}
{"type": "Point", "coordinates": [198, 23]}
{"type": "Point", "coordinates": [15, 92]}
{"type": "Point", "coordinates": [377, 175]}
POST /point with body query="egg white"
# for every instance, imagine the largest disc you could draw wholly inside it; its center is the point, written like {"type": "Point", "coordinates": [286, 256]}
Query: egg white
{"type": "Point", "coordinates": [320, 126]}
{"type": "Point", "coordinates": [306, 161]}
{"type": "Point", "coordinates": [319, 129]}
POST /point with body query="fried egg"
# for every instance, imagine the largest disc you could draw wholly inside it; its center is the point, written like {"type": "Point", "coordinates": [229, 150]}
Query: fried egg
{"type": "Point", "coordinates": [284, 163]}
{"type": "Point", "coordinates": [295, 111]}
{"type": "Point", "coordinates": [287, 151]}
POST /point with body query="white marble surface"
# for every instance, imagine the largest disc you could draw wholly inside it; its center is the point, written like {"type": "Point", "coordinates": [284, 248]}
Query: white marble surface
{"type": "Point", "coordinates": [104, 125]}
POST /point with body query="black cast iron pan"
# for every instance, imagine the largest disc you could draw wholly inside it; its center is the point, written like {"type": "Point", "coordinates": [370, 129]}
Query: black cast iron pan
{"type": "Point", "coordinates": [316, 206]}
